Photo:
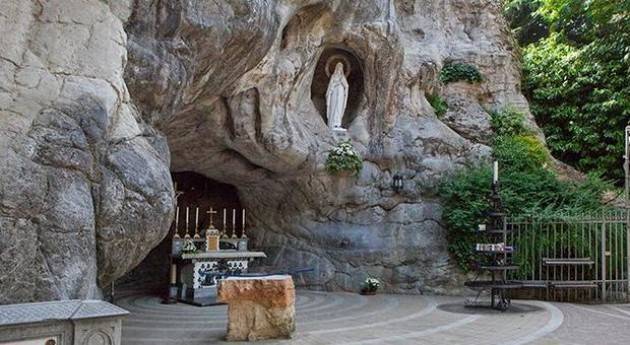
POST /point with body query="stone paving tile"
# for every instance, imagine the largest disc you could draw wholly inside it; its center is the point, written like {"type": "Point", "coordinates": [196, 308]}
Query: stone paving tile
{"type": "Point", "coordinates": [350, 319]}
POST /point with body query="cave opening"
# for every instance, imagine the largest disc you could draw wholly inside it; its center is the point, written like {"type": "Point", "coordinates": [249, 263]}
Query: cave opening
{"type": "Point", "coordinates": [354, 75]}
{"type": "Point", "coordinates": [194, 191]}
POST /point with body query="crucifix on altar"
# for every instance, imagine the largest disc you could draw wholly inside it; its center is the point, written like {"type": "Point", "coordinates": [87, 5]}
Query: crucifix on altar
{"type": "Point", "coordinates": [201, 260]}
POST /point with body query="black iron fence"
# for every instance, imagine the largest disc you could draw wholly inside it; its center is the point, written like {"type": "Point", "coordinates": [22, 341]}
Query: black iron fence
{"type": "Point", "coordinates": [570, 258]}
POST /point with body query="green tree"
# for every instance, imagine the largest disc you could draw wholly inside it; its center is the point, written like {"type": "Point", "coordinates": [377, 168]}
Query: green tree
{"type": "Point", "coordinates": [576, 78]}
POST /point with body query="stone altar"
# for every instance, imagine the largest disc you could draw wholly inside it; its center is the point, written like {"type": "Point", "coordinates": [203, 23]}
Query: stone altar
{"type": "Point", "coordinates": [200, 272]}
{"type": "Point", "coordinates": [259, 307]}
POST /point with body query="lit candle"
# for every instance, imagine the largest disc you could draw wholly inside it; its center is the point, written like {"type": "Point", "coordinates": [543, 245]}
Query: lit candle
{"type": "Point", "coordinates": [495, 175]}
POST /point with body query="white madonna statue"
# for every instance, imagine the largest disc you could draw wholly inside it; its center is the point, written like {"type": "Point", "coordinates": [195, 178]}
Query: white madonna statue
{"type": "Point", "coordinates": [336, 98]}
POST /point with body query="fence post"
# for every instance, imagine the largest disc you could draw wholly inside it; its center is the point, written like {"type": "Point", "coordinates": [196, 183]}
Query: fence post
{"type": "Point", "coordinates": [603, 257]}
{"type": "Point", "coordinates": [627, 250]}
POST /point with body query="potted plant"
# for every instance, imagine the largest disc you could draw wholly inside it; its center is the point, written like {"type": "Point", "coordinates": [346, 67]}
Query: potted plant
{"type": "Point", "coordinates": [370, 285]}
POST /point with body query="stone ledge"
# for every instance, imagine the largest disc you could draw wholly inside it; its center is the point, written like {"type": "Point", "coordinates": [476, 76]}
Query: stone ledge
{"type": "Point", "coordinates": [15, 314]}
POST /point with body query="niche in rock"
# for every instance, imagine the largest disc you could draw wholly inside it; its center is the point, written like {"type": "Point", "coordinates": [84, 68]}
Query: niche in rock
{"type": "Point", "coordinates": [321, 77]}
{"type": "Point", "coordinates": [152, 274]}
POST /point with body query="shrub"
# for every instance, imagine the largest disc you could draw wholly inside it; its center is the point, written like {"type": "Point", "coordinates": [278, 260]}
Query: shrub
{"type": "Point", "coordinates": [343, 158]}
{"type": "Point", "coordinates": [508, 121]}
{"type": "Point", "coordinates": [452, 72]}
{"type": "Point", "coordinates": [439, 104]}
{"type": "Point", "coordinates": [576, 58]}
{"type": "Point", "coordinates": [581, 99]}
{"type": "Point", "coordinates": [527, 187]}
{"type": "Point", "coordinates": [523, 152]}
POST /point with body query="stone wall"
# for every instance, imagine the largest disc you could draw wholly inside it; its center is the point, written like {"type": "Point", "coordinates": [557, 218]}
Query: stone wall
{"type": "Point", "coordinates": [94, 95]}
{"type": "Point", "coordinates": [239, 101]}
{"type": "Point", "coordinates": [85, 189]}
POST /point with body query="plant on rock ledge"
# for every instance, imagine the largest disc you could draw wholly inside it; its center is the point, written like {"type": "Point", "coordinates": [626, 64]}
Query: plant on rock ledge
{"type": "Point", "coordinates": [343, 158]}
{"type": "Point", "coordinates": [439, 104]}
{"type": "Point", "coordinates": [455, 71]}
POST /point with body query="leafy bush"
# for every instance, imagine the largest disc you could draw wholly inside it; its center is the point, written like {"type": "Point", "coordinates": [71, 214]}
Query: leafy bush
{"type": "Point", "coordinates": [508, 121]}
{"type": "Point", "coordinates": [452, 72]}
{"type": "Point", "coordinates": [581, 101]}
{"type": "Point", "coordinates": [343, 158]}
{"type": "Point", "coordinates": [575, 77]}
{"type": "Point", "coordinates": [527, 187]}
{"type": "Point", "coordinates": [521, 152]}
{"type": "Point", "coordinates": [439, 104]}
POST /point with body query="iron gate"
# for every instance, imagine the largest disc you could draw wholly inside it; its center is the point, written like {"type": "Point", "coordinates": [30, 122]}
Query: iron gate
{"type": "Point", "coordinates": [572, 258]}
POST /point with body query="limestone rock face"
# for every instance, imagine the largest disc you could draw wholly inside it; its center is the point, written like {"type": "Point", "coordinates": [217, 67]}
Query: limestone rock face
{"type": "Point", "coordinates": [85, 190]}
{"type": "Point", "coordinates": [236, 87]}
{"type": "Point", "coordinates": [259, 308]}
{"type": "Point", "coordinates": [94, 95]}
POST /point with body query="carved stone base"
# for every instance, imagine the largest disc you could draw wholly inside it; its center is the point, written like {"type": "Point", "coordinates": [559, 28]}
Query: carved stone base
{"type": "Point", "coordinates": [340, 134]}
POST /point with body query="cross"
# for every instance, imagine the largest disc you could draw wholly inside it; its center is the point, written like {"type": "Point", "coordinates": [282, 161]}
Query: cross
{"type": "Point", "coordinates": [211, 213]}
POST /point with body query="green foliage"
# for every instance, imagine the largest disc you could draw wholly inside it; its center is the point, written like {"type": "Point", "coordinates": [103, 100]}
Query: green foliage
{"type": "Point", "coordinates": [521, 152]}
{"type": "Point", "coordinates": [508, 121]}
{"type": "Point", "coordinates": [527, 187]}
{"type": "Point", "coordinates": [438, 103]}
{"type": "Point", "coordinates": [343, 158]}
{"type": "Point", "coordinates": [527, 24]}
{"type": "Point", "coordinates": [452, 72]}
{"type": "Point", "coordinates": [576, 79]}
{"type": "Point", "coordinates": [581, 98]}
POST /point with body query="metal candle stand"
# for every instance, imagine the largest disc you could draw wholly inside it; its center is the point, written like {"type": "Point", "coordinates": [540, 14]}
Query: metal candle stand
{"type": "Point", "coordinates": [497, 258]}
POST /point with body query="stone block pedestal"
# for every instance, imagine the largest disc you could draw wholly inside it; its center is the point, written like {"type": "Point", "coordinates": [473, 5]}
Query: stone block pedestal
{"type": "Point", "coordinates": [259, 307]}
{"type": "Point", "coordinates": [72, 322]}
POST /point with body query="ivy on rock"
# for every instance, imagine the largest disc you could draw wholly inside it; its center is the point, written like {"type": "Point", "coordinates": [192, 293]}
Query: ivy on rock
{"type": "Point", "coordinates": [455, 71]}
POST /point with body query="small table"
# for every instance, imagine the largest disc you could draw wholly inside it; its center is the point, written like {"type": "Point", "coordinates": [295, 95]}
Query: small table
{"type": "Point", "coordinates": [200, 272]}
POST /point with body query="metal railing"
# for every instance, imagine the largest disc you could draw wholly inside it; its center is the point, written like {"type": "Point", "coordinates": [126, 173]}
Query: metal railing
{"type": "Point", "coordinates": [570, 258]}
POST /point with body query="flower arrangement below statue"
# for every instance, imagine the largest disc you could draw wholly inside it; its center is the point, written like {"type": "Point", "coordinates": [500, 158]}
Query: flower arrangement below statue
{"type": "Point", "coordinates": [344, 159]}
{"type": "Point", "coordinates": [370, 285]}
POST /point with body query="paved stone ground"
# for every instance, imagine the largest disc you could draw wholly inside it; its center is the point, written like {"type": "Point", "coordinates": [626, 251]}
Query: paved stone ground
{"type": "Point", "coordinates": [344, 318]}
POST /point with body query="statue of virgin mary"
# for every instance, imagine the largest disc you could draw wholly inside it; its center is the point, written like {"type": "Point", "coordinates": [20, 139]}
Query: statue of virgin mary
{"type": "Point", "coordinates": [336, 98]}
